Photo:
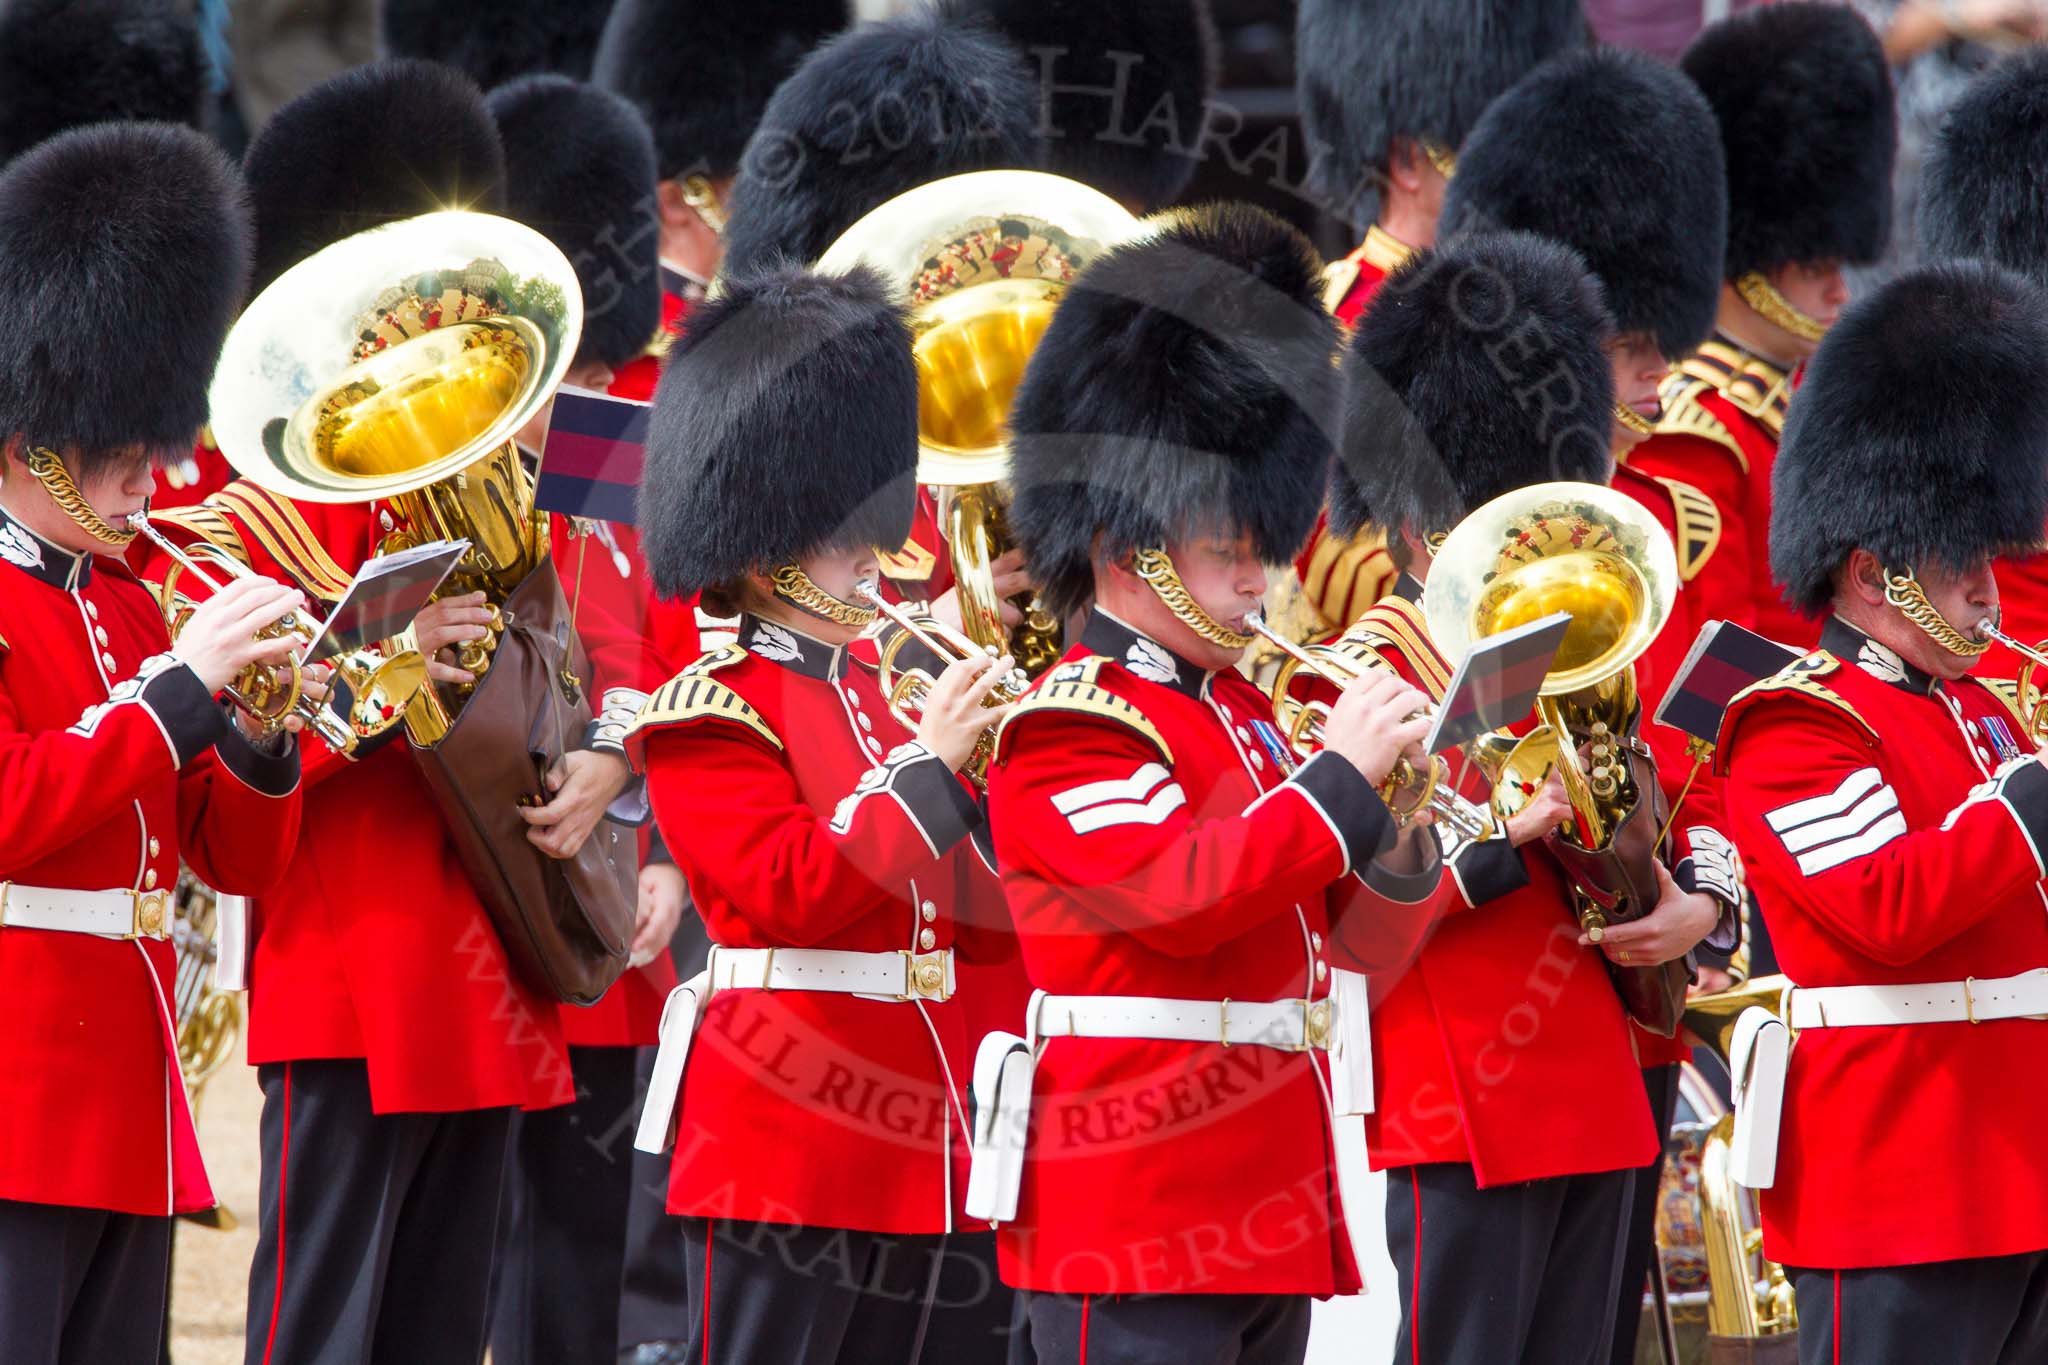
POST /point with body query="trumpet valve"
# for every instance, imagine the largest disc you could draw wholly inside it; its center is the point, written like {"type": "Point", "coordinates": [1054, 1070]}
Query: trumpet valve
{"type": "Point", "coordinates": [1593, 922]}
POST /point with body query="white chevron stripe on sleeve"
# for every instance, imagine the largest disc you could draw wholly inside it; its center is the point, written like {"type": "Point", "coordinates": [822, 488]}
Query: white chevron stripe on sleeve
{"type": "Point", "coordinates": [1841, 851]}
{"type": "Point", "coordinates": [1858, 785]}
{"type": "Point", "coordinates": [1860, 817]}
{"type": "Point", "coordinates": [1164, 802]}
{"type": "Point", "coordinates": [1136, 787]}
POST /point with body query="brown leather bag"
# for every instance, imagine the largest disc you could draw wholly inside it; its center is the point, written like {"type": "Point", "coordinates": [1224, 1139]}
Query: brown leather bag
{"type": "Point", "coordinates": [566, 925]}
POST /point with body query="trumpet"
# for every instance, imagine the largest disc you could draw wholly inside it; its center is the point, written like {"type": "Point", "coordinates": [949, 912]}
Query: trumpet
{"type": "Point", "coordinates": [2029, 698]}
{"type": "Point", "coordinates": [908, 687]}
{"type": "Point", "coordinates": [379, 688]}
{"type": "Point", "coordinates": [1408, 790]}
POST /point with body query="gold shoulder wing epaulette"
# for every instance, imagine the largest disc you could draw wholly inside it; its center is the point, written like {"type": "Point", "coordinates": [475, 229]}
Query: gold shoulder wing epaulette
{"type": "Point", "coordinates": [1699, 526]}
{"type": "Point", "coordinates": [282, 532]}
{"type": "Point", "coordinates": [209, 524]}
{"type": "Point", "coordinates": [1685, 415]}
{"type": "Point", "coordinates": [1800, 679]}
{"type": "Point", "coordinates": [1398, 622]}
{"type": "Point", "coordinates": [1071, 688]}
{"type": "Point", "coordinates": [1338, 277]}
{"type": "Point", "coordinates": [694, 695]}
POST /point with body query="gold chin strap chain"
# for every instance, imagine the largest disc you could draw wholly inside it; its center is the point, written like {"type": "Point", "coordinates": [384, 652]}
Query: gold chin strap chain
{"type": "Point", "coordinates": [1634, 421]}
{"type": "Point", "coordinates": [1443, 158]}
{"type": "Point", "coordinates": [1156, 568]}
{"type": "Point", "coordinates": [793, 585]}
{"type": "Point", "coordinates": [1903, 590]}
{"type": "Point", "coordinates": [699, 195]}
{"type": "Point", "coordinates": [1760, 294]}
{"type": "Point", "coordinates": [56, 480]}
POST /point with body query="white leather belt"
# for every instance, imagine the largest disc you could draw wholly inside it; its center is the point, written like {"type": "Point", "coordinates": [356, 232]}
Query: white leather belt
{"type": "Point", "coordinates": [1973, 1000]}
{"type": "Point", "coordinates": [901, 975]}
{"type": "Point", "coordinates": [1290, 1025]}
{"type": "Point", "coordinates": [112, 914]}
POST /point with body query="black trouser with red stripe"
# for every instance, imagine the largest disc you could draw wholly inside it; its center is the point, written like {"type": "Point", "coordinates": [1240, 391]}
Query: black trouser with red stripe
{"type": "Point", "coordinates": [778, 1294]}
{"type": "Point", "coordinates": [1165, 1329]}
{"type": "Point", "coordinates": [1526, 1272]}
{"type": "Point", "coordinates": [1638, 1257]}
{"type": "Point", "coordinates": [377, 1230]}
{"type": "Point", "coordinates": [1987, 1311]}
{"type": "Point", "coordinates": [81, 1286]}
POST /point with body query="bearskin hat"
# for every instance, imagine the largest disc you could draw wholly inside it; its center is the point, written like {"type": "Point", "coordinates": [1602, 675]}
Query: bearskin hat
{"type": "Point", "coordinates": [1126, 88]}
{"type": "Point", "coordinates": [1804, 100]}
{"type": "Point", "coordinates": [581, 171]}
{"type": "Point", "coordinates": [376, 144]}
{"type": "Point", "coordinates": [64, 63]}
{"type": "Point", "coordinates": [133, 235]}
{"type": "Point", "coordinates": [1369, 71]}
{"type": "Point", "coordinates": [492, 44]}
{"type": "Point", "coordinates": [702, 70]}
{"type": "Point", "coordinates": [1986, 179]}
{"type": "Point", "coordinates": [877, 111]}
{"type": "Point", "coordinates": [1185, 382]}
{"type": "Point", "coordinates": [1616, 155]}
{"type": "Point", "coordinates": [1920, 434]}
{"type": "Point", "coordinates": [785, 422]}
{"type": "Point", "coordinates": [1480, 368]}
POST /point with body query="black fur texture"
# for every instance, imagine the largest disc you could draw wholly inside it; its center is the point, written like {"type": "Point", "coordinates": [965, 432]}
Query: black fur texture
{"type": "Point", "coordinates": [1920, 434]}
{"type": "Point", "coordinates": [493, 41]}
{"type": "Point", "coordinates": [581, 170]}
{"type": "Point", "coordinates": [702, 70]}
{"type": "Point", "coordinates": [1126, 88]}
{"type": "Point", "coordinates": [124, 256]}
{"type": "Point", "coordinates": [65, 63]}
{"type": "Point", "coordinates": [1985, 186]}
{"type": "Point", "coordinates": [1369, 71]}
{"type": "Point", "coordinates": [1184, 385]}
{"type": "Point", "coordinates": [785, 423]}
{"type": "Point", "coordinates": [1480, 368]}
{"type": "Point", "coordinates": [376, 144]}
{"type": "Point", "coordinates": [1616, 155]}
{"type": "Point", "coordinates": [1804, 100]}
{"type": "Point", "coordinates": [877, 111]}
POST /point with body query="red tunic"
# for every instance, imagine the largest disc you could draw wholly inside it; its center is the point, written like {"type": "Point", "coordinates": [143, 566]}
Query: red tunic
{"type": "Point", "coordinates": [375, 945]}
{"type": "Point", "coordinates": [1502, 1044]}
{"type": "Point", "coordinates": [106, 784]}
{"type": "Point", "coordinates": [1882, 853]}
{"type": "Point", "coordinates": [803, 819]}
{"type": "Point", "coordinates": [2022, 612]}
{"type": "Point", "coordinates": [1724, 410]}
{"type": "Point", "coordinates": [1155, 840]}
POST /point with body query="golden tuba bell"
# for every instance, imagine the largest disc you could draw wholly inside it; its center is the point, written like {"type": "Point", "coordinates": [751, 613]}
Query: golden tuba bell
{"type": "Point", "coordinates": [397, 365]}
{"type": "Point", "coordinates": [982, 259]}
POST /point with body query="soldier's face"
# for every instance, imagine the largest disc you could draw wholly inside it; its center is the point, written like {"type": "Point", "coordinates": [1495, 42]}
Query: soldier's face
{"type": "Point", "coordinates": [1227, 579]}
{"type": "Point", "coordinates": [839, 572]}
{"type": "Point", "coordinates": [118, 488]}
{"type": "Point", "coordinates": [1962, 596]}
{"type": "Point", "coordinates": [1639, 367]}
{"type": "Point", "coordinates": [1817, 289]}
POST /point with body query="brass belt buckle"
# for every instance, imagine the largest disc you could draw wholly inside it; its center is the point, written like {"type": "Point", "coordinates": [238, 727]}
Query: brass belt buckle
{"type": "Point", "coordinates": [924, 975]}
{"type": "Point", "coordinates": [1315, 1024]}
{"type": "Point", "coordinates": [149, 915]}
{"type": "Point", "coordinates": [1970, 998]}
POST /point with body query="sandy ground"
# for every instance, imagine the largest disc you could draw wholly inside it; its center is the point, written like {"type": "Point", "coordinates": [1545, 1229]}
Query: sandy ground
{"type": "Point", "coordinates": [210, 1270]}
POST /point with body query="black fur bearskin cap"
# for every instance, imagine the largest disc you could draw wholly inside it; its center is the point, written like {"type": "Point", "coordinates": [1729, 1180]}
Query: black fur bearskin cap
{"type": "Point", "coordinates": [66, 63]}
{"type": "Point", "coordinates": [1804, 100]}
{"type": "Point", "coordinates": [702, 71]}
{"type": "Point", "coordinates": [1985, 184]}
{"type": "Point", "coordinates": [376, 144]}
{"type": "Point", "coordinates": [124, 257]}
{"type": "Point", "coordinates": [879, 110]}
{"type": "Point", "coordinates": [1920, 434]}
{"type": "Point", "coordinates": [1185, 384]}
{"type": "Point", "coordinates": [1480, 368]}
{"type": "Point", "coordinates": [785, 422]}
{"type": "Point", "coordinates": [581, 172]}
{"type": "Point", "coordinates": [1616, 155]}
{"type": "Point", "coordinates": [495, 42]}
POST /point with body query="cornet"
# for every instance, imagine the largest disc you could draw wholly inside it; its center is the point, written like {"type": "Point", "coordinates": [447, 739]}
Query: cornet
{"type": "Point", "coordinates": [907, 688]}
{"type": "Point", "coordinates": [379, 688]}
{"type": "Point", "coordinates": [1407, 790]}
{"type": "Point", "coordinates": [2030, 698]}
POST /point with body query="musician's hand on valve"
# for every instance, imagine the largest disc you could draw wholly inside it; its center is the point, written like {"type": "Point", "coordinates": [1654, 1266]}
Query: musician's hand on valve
{"type": "Point", "coordinates": [1546, 810]}
{"type": "Point", "coordinates": [660, 910]}
{"type": "Point", "coordinates": [446, 624]}
{"type": "Point", "coordinates": [954, 717]}
{"type": "Point", "coordinates": [1011, 579]}
{"type": "Point", "coordinates": [315, 688]}
{"type": "Point", "coordinates": [219, 639]}
{"type": "Point", "coordinates": [581, 786]}
{"type": "Point", "coordinates": [1679, 920]}
{"type": "Point", "coordinates": [1378, 720]}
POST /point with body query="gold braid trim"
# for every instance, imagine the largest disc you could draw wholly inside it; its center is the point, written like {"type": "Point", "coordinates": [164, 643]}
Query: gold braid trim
{"type": "Point", "coordinates": [1156, 568]}
{"type": "Point", "coordinates": [1774, 308]}
{"type": "Point", "coordinates": [1903, 591]}
{"type": "Point", "coordinates": [793, 585]}
{"type": "Point", "coordinates": [56, 481]}
{"type": "Point", "coordinates": [285, 536]}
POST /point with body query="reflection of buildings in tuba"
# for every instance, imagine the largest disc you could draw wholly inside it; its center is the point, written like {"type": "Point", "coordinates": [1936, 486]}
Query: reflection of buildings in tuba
{"type": "Point", "coordinates": [982, 259]}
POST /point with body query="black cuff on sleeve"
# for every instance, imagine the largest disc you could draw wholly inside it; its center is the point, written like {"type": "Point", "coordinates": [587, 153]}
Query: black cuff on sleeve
{"type": "Point", "coordinates": [1354, 811]}
{"type": "Point", "coordinates": [273, 774]}
{"type": "Point", "coordinates": [1488, 870]}
{"type": "Point", "coordinates": [2024, 789]}
{"type": "Point", "coordinates": [185, 710]}
{"type": "Point", "coordinates": [1408, 888]}
{"type": "Point", "coordinates": [938, 802]}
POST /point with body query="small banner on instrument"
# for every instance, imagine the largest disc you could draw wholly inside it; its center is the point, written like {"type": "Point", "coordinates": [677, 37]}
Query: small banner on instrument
{"type": "Point", "coordinates": [590, 463]}
{"type": "Point", "coordinates": [1497, 683]}
{"type": "Point", "coordinates": [387, 593]}
{"type": "Point", "coordinates": [1723, 660]}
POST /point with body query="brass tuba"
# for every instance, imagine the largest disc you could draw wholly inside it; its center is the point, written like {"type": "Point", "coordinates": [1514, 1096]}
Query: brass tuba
{"type": "Point", "coordinates": [982, 259]}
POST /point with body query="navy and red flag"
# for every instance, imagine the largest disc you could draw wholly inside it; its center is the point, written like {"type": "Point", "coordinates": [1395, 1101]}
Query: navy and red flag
{"type": "Point", "coordinates": [590, 463]}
